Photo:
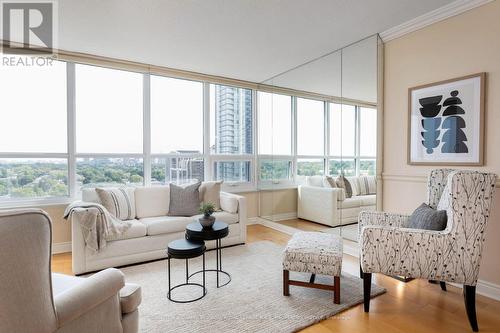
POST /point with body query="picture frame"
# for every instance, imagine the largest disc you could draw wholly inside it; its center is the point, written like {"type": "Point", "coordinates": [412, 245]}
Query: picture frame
{"type": "Point", "coordinates": [446, 122]}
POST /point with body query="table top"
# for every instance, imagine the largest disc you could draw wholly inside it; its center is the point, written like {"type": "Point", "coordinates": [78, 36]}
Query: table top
{"type": "Point", "coordinates": [195, 231]}
{"type": "Point", "coordinates": [184, 248]}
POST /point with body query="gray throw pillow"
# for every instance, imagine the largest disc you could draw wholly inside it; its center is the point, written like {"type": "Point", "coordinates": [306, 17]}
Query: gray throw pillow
{"type": "Point", "coordinates": [342, 182]}
{"type": "Point", "coordinates": [426, 217]}
{"type": "Point", "coordinates": [184, 201]}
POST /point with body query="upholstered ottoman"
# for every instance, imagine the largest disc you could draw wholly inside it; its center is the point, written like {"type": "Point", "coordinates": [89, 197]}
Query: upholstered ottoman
{"type": "Point", "coordinates": [315, 253]}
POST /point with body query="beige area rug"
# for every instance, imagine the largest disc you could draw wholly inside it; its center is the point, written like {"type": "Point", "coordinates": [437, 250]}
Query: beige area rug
{"type": "Point", "coordinates": [251, 302]}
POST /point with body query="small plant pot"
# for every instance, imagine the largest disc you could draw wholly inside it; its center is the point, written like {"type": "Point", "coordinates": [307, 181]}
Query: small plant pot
{"type": "Point", "coordinates": [207, 221]}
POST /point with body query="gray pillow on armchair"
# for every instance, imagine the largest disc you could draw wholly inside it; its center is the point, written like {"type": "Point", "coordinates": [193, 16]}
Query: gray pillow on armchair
{"type": "Point", "coordinates": [426, 217]}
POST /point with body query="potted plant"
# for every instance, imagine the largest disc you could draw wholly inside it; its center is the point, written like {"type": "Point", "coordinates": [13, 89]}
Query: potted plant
{"type": "Point", "coordinates": [207, 220]}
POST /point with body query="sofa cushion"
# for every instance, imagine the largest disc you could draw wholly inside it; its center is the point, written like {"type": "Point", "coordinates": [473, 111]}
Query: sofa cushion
{"type": "Point", "coordinates": [119, 201]}
{"type": "Point", "coordinates": [223, 217]}
{"type": "Point", "coordinates": [165, 224]}
{"type": "Point", "coordinates": [184, 200]}
{"type": "Point", "coordinates": [368, 200]}
{"type": "Point", "coordinates": [354, 182]}
{"type": "Point", "coordinates": [330, 181]}
{"type": "Point", "coordinates": [210, 192]}
{"type": "Point", "coordinates": [351, 202]}
{"type": "Point", "coordinates": [137, 229]}
{"type": "Point", "coordinates": [152, 201]}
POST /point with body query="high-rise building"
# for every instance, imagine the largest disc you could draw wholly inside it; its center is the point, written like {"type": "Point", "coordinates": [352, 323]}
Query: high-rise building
{"type": "Point", "coordinates": [233, 130]}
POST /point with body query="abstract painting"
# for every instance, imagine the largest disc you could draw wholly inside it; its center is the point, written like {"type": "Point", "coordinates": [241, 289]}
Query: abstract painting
{"type": "Point", "coordinates": [446, 122]}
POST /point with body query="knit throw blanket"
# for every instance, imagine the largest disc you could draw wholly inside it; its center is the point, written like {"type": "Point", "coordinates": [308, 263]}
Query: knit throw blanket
{"type": "Point", "coordinates": [98, 225]}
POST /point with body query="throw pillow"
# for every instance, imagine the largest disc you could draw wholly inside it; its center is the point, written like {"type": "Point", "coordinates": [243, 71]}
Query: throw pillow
{"type": "Point", "coordinates": [426, 217]}
{"type": "Point", "coordinates": [354, 181]}
{"type": "Point", "coordinates": [119, 201]}
{"type": "Point", "coordinates": [331, 182]}
{"type": "Point", "coordinates": [210, 192]}
{"type": "Point", "coordinates": [342, 182]}
{"type": "Point", "coordinates": [367, 185]}
{"type": "Point", "coordinates": [184, 201]}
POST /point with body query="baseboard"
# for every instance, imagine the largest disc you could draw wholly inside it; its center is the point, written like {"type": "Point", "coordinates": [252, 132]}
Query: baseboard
{"type": "Point", "coordinates": [61, 247]}
{"type": "Point", "coordinates": [485, 288]}
{"type": "Point", "coordinates": [252, 220]}
{"type": "Point", "coordinates": [281, 217]}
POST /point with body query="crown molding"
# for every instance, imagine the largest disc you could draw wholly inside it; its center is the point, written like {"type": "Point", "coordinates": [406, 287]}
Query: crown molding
{"type": "Point", "coordinates": [437, 15]}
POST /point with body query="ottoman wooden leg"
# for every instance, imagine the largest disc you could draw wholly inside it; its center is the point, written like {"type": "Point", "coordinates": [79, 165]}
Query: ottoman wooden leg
{"type": "Point", "coordinates": [286, 283]}
{"type": "Point", "coordinates": [336, 293]}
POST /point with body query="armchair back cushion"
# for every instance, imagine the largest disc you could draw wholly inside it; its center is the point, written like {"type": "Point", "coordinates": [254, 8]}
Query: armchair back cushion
{"type": "Point", "coordinates": [26, 304]}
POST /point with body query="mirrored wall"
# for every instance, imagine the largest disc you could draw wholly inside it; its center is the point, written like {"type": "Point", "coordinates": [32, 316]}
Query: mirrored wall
{"type": "Point", "coordinates": [318, 141]}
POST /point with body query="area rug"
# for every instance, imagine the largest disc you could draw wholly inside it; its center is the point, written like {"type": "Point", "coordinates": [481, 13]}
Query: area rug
{"type": "Point", "coordinates": [252, 302]}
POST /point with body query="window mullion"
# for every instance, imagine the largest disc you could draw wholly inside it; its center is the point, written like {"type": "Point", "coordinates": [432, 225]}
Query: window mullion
{"type": "Point", "coordinates": [206, 132]}
{"type": "Point", "coordinates": [146, 129]}
{"type": "Point", "coordinates": [71, 127]}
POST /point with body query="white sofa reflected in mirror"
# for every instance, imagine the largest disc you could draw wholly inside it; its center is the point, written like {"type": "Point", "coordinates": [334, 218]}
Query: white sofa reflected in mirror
{"type": "Point", "coordinates": [318, 202]}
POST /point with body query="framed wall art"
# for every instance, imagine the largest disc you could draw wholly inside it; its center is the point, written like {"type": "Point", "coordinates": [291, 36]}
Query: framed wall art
{"type": "Point", "coordinates": [446, 122]}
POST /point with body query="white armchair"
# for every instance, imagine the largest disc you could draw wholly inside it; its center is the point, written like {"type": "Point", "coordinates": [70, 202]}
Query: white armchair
{"type": "Point", "coordinates": [34, 300]}
{"type": "Point", "coordinates": [452, 255]}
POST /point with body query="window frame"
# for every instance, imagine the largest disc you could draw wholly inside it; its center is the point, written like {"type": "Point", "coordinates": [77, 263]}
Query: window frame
{"type": "Point", "coordinates": [254, 183]}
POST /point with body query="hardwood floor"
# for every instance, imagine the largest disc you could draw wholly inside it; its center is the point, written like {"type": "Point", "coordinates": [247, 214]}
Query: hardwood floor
{"type": "Point", "coordinates": [413, 307]}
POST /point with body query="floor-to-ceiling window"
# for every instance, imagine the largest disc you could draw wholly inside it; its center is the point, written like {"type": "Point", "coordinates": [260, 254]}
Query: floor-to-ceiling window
{"type": "Point", "coordinates": [68, 126]}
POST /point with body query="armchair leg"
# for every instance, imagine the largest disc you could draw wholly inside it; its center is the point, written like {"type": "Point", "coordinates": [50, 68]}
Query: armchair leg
{"type": "Point", "coordinates": [286, 283]}
{"type": "Point", "coordinates": [367, 286]}
{"type": "Point", "coordinates": [443, 285]}
{"type": "Point", "coordinates": [470, 306]}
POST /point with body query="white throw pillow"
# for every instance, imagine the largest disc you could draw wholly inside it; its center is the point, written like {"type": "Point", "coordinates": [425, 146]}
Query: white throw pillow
{"type": "Point", "coordinates": [367, 185]}
{"type": "Point", "coordinates": [354, 181]}
{"type": "Point", "coordinates": [229, 204]}
{"type": "Point", "coordinates": [210, 192]}
{"type": "Point", "coordinates": [119, 201]}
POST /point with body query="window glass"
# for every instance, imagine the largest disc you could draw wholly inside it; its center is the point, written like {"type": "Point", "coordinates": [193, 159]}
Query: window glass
{"type": "Point", "coordinates": [342, 130]}
{"type": "Point", "coordinates": [33, 108]}
{"type": "Point", "coordinates": [232, 171]}
{"type": "Point", "coordinates": [92, 172]}
{"type": "Point", "coordinates": [337, 167]}
{"type": "Point", "coordinates": [367, 167]}
{"type": "Point", "coordinates": [310, 167]}
{"type": "Point", "coordinates": [231, 120]}
{"type": "Point", "coordinates": [310, 127]}
{"type": "Point", "coordinates": [176, 115]}
{"type": "Point", "coordinates": [109, 109]}
{"type": "Point", "coordinates": [177, 170]}
{"type": "Point", "coordinates": [33, 178]}
{"type": "Point", "coordinates": [275, 169]}
{"type": "Point", "coordinates": [275, 124]}
{"type": "Point", "coordinates": [368, 132]}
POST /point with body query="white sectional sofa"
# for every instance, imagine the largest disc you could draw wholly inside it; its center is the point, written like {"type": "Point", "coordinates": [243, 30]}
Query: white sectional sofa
{"type": "Point", "coordinates": [152, 230]}
{"type": "Point", "coordinates": [320, 203]}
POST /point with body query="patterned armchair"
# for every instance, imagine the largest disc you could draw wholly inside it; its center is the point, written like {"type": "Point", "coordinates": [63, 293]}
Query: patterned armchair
{"type": "Point", "coordinates": [451, 255]}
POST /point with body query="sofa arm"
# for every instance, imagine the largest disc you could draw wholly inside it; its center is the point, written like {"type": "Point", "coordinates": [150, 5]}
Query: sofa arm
{"type": "Point", "coordinates": [319, 204]}
{"type": "Point", "coordinates": [91, 292]}
{"type": "Point", "coordinates": [233, 203]}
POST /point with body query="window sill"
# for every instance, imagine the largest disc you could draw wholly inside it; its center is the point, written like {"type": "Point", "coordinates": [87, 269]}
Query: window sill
{"type": "Point", "coordinates": [12, 204]}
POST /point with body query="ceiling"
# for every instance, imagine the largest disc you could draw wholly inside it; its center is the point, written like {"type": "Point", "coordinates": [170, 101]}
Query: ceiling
{"type": "Point", "coordinates": [244, 39]}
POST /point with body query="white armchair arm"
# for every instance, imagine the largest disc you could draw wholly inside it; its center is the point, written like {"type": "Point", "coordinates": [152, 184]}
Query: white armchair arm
{"type": "Point", "coordinates": [85, 296]}
{"type": "Point", "coordinates": [319, 204]}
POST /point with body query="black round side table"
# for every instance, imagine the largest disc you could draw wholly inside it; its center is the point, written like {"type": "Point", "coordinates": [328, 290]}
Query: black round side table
{"type": "Point", "coordinates": [186, 249]}
{"type": "Point", "coordinates": [196, 232]}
